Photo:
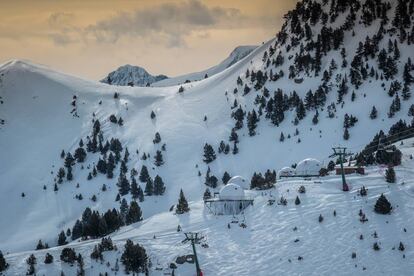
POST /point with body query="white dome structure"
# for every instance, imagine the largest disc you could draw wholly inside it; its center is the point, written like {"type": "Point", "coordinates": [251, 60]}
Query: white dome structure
{"type": "Point", "coordinates": [231, 192]}
{"type": "Point", "coordinates": [238, 180]}
{"type": "Point", "coordinates": [308, 167]}
{"type": "Point", "coordinates": [286, 171]}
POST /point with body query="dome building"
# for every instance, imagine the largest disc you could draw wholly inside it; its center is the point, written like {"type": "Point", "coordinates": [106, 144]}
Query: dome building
{"type": "Point", "coordinates": [238, 180]}
{"type": "Point", "coordinates": [308, 167]}
{"type": "Point", "coordinates": [286, 172]}
{"type": "Point", "coordinates": [231, 192]}
{"type": "Point", "coordinates": [231, 200]}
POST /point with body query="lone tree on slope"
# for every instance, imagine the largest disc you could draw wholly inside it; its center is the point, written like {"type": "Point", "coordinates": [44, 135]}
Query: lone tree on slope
{"type": "Point", "coordinates": [182, 206]}
{"type": "Point", "coordinates": [390, 175]}
{"type": "Point", "coordinates": [382, 206]}
{"type": "Point", "coordinates": [209, 154]}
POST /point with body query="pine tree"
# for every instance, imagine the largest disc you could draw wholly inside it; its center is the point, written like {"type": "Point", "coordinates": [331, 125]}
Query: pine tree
{"type": "Point", "coordinates": [69, 160]}
{"type": "Point", "coordinates": [123, 209]}
{"type": "Point", "coordinates": [235, 148]}
{"type": "Point", "coordinates": [110, 166]}
{"type": "Point", "coordinates": [374, 113]}
{"type": "Point", "coordinates": [120, 121]}
{"type": "Point", "coordinates": [62, 238]}
{"type": "Point", "coordinates": [123, 185]}
{"type": "Point", "coordinates": [96, 253]}
{"type": "Point", "coordinates": [210, 180]}
{"type": "Point", "coordinates": [61, 174]}
{"type": "Point", "coordinates": [406, 94]}
{"type": "Point", "coordinates": [69, 175]}
{"type": "Point", "coordinates": [252, 122]}
{"type": "Point", "coordinates": [48, 259]}
{"type": "Point", "coordinates": [80, 155]}
{"type": "Point", "coordinates": [207, 194]}
{"type": "Point", "coordinates": [159, 187]}
{"type": "Point", "coordinates": [31, 261]}
{"type": "Point", "coordinates": [282, 137]}
{"type": "Point", "coordinates": [382, 206]}
{"type": "Point", "coordinates": [233, 136]}
{"type": "Point", "coordinates": [134, 258]}
{"type": "Point", "coordinates": [315, 119]}
{"type": "Point", "coordinates": [297, 200]}
{"type": "Point", "coordinates": [144, 175]}
{"type": "Point", "coordinates": [157, 138]}
{"type": "Point", "coordinates": [411, 111]}
{"type": "Point", "coordinates": [3, 263]}
{"type": "Point", "coordinates": [390, 175]}
{"type": "Point", "coordinates": [158, 159]}
{"type": "Point", "coordinates": [346, 134]}
{"type": "Point", "coordinates": [226, 177]}
{"type": "Point", "coordinates": [209, 154]}
{"type": "Point", "coordinates": [134, 188]}
{"type": "Point", "coordinates": [149, 187]}
{"type": "Point", "coordinates": [140, 194]}
{"type": "Point", "coordinates": [182, 206]}
{"type": "Point", "coordinates": [123, 168]}
{"type": "Point", "coordinates": [153, 115]}
{"type": "Point", "coordinates": [134, 213]}
{"type": "Point", "coordinates": [40, 245]}
{"type": "Point", "coordinates": [300, 110]}
{"type": "Point", "coordinates": [81, 270]}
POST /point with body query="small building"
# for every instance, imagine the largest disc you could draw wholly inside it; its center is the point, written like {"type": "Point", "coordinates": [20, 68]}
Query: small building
{"type": "Point", "coordinates": [308, 167]}
{"type": "Point", "coordinates": [350, 170]}
{"type": "Point", "coordinates": [238, 180]}
{"type": "Point", "coordinates": [230, 201]}
{"type": "Point", "coordinates": [286, 172]}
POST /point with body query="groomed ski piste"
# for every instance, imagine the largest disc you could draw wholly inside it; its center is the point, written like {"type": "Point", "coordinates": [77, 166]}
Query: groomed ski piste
{"type": "Point", "coordinates": [270, 245]}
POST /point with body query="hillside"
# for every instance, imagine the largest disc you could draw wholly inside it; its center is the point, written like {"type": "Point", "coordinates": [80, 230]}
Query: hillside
{"type": "Point", "coordinates": [289, 85]}
{"type": "Point", "coordinates": [236, 55]}
{"type": "Point", "coordinates": [129, 75]}
{"type": "Point", "coordinates": [320, 247]}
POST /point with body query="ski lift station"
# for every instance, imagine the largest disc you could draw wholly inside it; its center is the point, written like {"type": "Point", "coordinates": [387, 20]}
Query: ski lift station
{"type": "Point", "coordinates": [306, 168]}
{"type": "Point", "coordinates": [231, 200]}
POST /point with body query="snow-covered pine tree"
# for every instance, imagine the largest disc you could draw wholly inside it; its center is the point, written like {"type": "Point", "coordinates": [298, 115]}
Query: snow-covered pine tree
{"type": "Point", "coordinates": [209, 154]}
{"type": "Point", "coordinates": [382, 206]}
{"type": "Point", "coordinates": [159, 187]}
{"type": "Point", "coordinates": [390, 175]}
{"type": "Point", "coordinates": [182, 206]}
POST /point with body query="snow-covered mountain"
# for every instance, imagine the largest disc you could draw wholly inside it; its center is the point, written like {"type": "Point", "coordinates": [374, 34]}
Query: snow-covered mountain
{"type": "Point", "coordinates": [236, 55]}
{"type": "Point", "coordinates": [311, 87]}
{"type": "Point", "coordinates": [129, 75]}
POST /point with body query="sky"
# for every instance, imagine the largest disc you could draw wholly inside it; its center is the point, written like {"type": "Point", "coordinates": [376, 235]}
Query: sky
{"type": "Point", "coordinates": [90, 38]}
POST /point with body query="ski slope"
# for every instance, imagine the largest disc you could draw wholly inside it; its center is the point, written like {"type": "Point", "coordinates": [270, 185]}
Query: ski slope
{"type": "Point", "coordinates": [270, 239]}
{"type": "Point", "coordinates": [39, 125]}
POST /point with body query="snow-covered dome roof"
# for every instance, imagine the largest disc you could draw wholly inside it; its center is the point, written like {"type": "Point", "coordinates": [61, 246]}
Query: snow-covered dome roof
{"type": "Point", "coordinates": [238, 180]}
{"type": "Point", "coordinates": [286, 171]}
{"type": "Point", "coordinates": [308, 166]}
{"type": "Point", "coordinates": [231, 192]}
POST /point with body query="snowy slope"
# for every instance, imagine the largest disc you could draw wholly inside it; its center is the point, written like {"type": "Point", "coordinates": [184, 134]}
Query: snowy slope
{"type": "Point", "coordinates": [236, 55]}
{"type": "Point", "coordinates": [270, 239]}
{"type": "Point", "coordinates": [131, 76]}
{"type": "Point", "coordinates": [39, 124]}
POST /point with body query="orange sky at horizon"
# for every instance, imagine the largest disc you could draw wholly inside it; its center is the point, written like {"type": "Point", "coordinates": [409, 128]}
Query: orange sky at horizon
{"type": "Point", "coordinates": [172, 37]}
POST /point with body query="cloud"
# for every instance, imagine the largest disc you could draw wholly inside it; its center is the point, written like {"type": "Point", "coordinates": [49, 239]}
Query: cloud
{"type": "Point", "coordinates": [60, 19]}
{"type": "Point", "coordinates": [171, 21]}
